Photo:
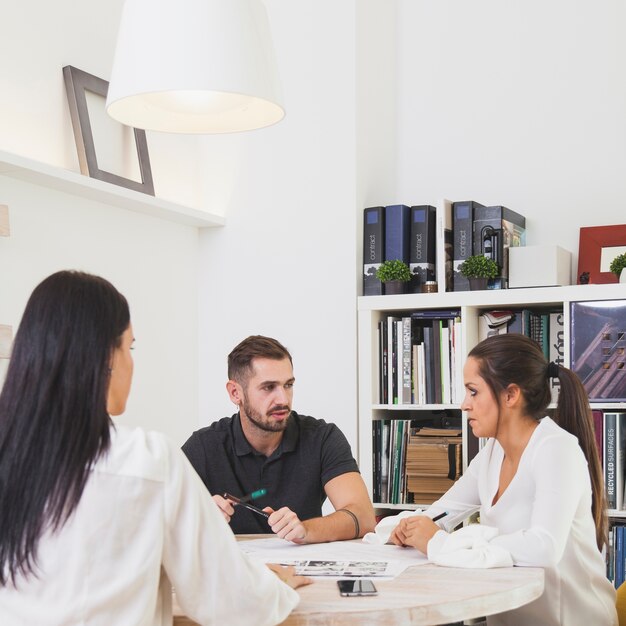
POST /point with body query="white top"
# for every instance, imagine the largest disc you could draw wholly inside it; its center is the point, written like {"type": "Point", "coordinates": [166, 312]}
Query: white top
{"type": "Point", "coordinates": [544, 520]}
{"type": "Point", "coordinates": [145, 523]}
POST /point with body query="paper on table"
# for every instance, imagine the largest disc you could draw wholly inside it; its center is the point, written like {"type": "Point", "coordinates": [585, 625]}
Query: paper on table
{"type": "Point", "coordinates": [337, 559]}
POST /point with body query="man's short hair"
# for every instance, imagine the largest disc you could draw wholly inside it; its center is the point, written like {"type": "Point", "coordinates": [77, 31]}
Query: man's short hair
{"type": "Point", "coordinates": [254, 347]}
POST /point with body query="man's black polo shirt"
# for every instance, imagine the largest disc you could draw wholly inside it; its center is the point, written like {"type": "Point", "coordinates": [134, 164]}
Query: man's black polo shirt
{"type": "Point", "coordinates": [311, 453]}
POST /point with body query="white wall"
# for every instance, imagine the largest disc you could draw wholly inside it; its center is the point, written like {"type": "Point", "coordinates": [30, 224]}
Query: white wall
{"type": "Point", "coordinates": [521, 104]}
{"type": "Point", "coordinates": [284, 265]}
{"type": "Point", "coordinates": [152, 261]}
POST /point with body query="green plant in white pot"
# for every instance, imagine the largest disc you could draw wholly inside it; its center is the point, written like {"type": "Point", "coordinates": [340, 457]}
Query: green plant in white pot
{"type": "Point", "coordinates": [617, 266]}
{"type": "Point", "coordinates": [478, 269]}
{"type": "Point", "coordinates": [395, 275]}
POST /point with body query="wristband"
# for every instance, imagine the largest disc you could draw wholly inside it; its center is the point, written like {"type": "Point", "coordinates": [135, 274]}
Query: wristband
{"type": "Point", "coordinates": [357, 528]}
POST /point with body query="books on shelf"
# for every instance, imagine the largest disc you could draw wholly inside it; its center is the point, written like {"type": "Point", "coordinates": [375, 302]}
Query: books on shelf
{"type": "Point", "coordinates": [420, 358]}
{"type": "Point", "coordinates": [462, 239]}
{"type": "Point", "coordinates": [433, 463]}
{"type": "Point", "coordinates": [598, 348]}
{"type": "Point", "coordinates": [545, 326]}
{"type": "Point", "coordinates": [422, 253]}
{"type": "Point", "coordinates": [373, 249]}
{"type": "Point", "coordinates": [397, 232]}
{"type": "Point", "coordinates": [495, 230]}
{"type": "Point", "coordinates": [412, 463]}
{"type": "Point", "coordinates": [614, 457]}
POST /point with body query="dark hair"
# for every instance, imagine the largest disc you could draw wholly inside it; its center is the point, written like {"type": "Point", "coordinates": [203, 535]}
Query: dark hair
{"type": "Point", "coordinates": [516, 359]}
{"type": "Point", "coordinates": [253, 347]}
{"type": "Point", "coordinates": [53, 415]}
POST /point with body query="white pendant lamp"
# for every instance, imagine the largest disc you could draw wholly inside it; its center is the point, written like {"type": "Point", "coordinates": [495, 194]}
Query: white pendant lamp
{"type": "Point", "coordinates": [194, 66]}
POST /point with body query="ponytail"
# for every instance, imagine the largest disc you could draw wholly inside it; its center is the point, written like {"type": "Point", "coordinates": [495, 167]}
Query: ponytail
{"type": "Point", "coordinates": [573, 414]}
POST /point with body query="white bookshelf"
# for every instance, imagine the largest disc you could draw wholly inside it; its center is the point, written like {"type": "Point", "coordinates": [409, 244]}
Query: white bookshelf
{"type": "Point", "coordinates": [45, 175]}
{"type": "Point", "coordinates": [371, 309]}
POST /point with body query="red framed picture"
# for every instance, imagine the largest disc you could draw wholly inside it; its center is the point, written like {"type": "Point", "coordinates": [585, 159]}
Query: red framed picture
{"type": "Point", "coordinates": [593, 240]}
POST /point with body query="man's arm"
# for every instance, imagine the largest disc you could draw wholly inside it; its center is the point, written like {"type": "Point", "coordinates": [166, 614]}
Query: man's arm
{"type": "Point", "coordinates": [347, 492]}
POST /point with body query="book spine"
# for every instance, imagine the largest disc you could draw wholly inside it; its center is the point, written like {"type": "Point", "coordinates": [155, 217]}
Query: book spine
{"type": "Point", "coordinates": [373, 249]}
{"type": "Point", "coordinates": [619, 559]}
{"type": "Point", "coordinates": [390, 354]}
{"type": "Point", "coordinates": [446, 380]}
{"type": "Point", "coordinates": [406, 360]}
{"type": "Point", "coordinates": [422, 253]}
{"type": "Point", "coordinates": [557, 349]}
{"type": "Point", "coordinates": [429, 365]}
{"type": "Point", "coordinates": [399, 382]}
{"type": "Point", "coordinates": [437, 361]}
{"type": "Point", "coordinates": [443, 250]}
{"type": "Point", "coordinates": [620, 458]}
{"type": "Point", "coordinates": [384, 462]}
{"type": "Point", "coordinates": [376, 461]}
{"type": "Point", "coordinates": [610, 458]}
{"type": "Point", "coordinates": [462, 246]}
{"type": "Point", "coordinates": [397, 232]}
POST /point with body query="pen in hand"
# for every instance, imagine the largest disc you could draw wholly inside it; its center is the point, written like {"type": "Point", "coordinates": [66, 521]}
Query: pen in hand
{"type": "Point", "coordinates": [244, 501]}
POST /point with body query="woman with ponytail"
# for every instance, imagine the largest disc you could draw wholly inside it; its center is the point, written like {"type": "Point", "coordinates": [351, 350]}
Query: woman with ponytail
{"type": "Point", "coordinates": [98, 522]}
{"type": "Point", "coordinates": [538, 481]}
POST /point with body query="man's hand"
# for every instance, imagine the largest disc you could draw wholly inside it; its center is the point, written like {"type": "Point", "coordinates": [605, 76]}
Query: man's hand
{"type": "Point", "coordinates": [225, 507]}
{"type": "Point", "coordinates": [288, 575]}
{"type": "Point", "coordinates": [286, 524]}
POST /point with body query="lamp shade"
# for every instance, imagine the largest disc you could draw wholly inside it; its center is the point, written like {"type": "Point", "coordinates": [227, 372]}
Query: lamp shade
{"type": "Point", "coordinates": [194, 66]}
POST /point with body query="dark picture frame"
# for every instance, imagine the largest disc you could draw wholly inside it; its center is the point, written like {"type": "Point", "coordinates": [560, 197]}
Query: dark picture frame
{"type": "Point", "coordinates": [76, 83]}
{"type": "Point", "coordinates": [591, 243]}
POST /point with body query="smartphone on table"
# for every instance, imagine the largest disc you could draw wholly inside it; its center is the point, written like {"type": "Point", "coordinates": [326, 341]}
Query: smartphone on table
{"type": "Point", "coordinates": [358, 587]}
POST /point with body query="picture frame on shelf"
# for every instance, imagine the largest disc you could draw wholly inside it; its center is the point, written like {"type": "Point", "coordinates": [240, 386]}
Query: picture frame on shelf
{"type": "Point", "coordinates": [597, 247]}
{"type": "Point", "coordinates": [77, 84]}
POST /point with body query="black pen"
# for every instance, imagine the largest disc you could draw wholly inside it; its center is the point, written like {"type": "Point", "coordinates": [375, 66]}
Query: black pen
{"type": "Point", "coordinates": [244, 501]}
{"type": "Point", "coordinates": [438, 517]}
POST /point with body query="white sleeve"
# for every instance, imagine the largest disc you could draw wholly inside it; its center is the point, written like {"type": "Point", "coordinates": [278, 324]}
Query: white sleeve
{"type": "Point", "coordinates": [215, 582]}
{"type": "Point", "coordinates": [560, 477]}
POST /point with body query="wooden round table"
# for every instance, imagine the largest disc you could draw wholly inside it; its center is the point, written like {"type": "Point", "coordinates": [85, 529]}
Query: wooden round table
{"type": "Point", "coordinates": [422, 594]}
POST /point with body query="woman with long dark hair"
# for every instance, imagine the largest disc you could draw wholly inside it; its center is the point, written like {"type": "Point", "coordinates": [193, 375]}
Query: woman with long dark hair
{"type": "Point", "coordinates": [537, 480]}
{"type": "Point", "coordinates": [98, 522]}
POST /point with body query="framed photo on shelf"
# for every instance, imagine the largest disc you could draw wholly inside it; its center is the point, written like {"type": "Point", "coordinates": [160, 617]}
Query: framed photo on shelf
{"type": "Point", "coordinates": [77, 84]}
{"type": "Point", "coordinates": [598, 348]}
{"type": "Point", "coordinates": [597, 247]}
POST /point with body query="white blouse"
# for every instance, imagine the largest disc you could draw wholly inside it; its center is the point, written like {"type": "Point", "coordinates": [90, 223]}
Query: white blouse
{"type": "Point", "coordinates": [145, 523]}
{"type": "Point", "coordinates": [544, 520]}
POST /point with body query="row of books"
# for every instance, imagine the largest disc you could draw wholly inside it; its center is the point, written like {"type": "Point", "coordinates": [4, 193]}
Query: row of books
{"type": "Point", "coordinates": [420, 359]}
{"type": "Point", "coordinates": [610, 432]}
{"type": "Point", "coordinates": [408, 233]}
{"type": "Point", "coordinates": [546, 327]}
{"type": "Point", "coordinates": [399, 232]}
{"type": "Point", "coordinates": [413, 463]}
{"type": "Point", "coordinates": [486, 230]}
{"type": "Point", "coordinates": [616, 555]}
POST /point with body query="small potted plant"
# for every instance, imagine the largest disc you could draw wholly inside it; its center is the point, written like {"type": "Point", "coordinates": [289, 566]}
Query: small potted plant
{"type": "Point", "coordinates": [478, 269]}
{"type": "Point", "coordinates": [395, 275]}
{"type": "Point", "coordinates": [617, 266]}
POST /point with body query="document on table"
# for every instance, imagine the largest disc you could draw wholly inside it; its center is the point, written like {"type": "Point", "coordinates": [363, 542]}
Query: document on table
{"type": "Point", "coordinates": [339, 559]}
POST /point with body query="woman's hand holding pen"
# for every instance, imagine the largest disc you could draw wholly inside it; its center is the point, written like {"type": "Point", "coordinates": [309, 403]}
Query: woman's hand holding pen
{"type": "Point", "coordinates": [415, 531]}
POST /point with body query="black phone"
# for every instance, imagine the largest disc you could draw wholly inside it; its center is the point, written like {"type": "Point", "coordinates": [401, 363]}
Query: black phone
{"type": "Point", "coordinates": [356, 587]}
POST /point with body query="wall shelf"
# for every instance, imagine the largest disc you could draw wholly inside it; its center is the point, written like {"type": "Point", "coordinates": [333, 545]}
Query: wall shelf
{"type": "Point", "coordinates": [22, 168]}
